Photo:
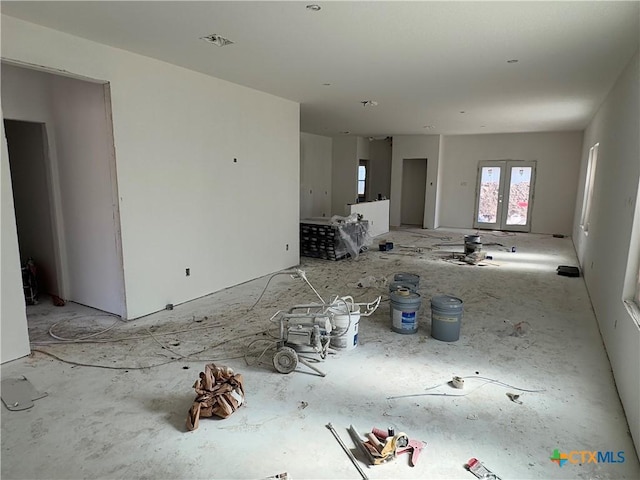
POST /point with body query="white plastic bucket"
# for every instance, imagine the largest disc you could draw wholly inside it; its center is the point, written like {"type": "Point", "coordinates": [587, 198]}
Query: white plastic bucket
{"type": "Point", "coordinates": [346, 321]}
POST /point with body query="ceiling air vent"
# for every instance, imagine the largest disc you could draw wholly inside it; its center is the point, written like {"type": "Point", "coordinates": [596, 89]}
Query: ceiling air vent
{"type": "Point", "coordinates": [216, 39]}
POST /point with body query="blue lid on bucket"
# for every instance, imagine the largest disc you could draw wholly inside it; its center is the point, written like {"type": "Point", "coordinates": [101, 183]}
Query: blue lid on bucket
{"type": "Point", "coordinates": [446, 302]}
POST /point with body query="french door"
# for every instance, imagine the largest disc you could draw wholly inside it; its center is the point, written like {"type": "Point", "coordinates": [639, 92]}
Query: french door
{"type": "Point", "coordinates": [504, 195]}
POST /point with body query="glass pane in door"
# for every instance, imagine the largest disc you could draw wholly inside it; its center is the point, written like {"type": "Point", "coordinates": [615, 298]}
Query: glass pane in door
{"type": "Point", "coordinates": [489, 193]}
{"type": "Point", "coordinates": [362, 178]}
{"type": "Point", "coordinates": [519, 188]}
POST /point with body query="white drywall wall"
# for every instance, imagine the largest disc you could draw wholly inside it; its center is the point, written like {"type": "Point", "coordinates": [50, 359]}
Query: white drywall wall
{"type": "Point", "coordinates": [557, 155]}
{"type": "Point", "coordinates": [376, 213]}
{"type": "Point", "coordinates": [363, 153]}
{"type": "Point", "coordinates": [26, 96]}
{"type": "Point", "coordinates": [438, 183]}
{"type": "Point", "coordinates": [604, 252]}
{"type": "Point", "coordinates": [93, 261]}
{"type": "Point", "coordinates": [344, 174]}
{"type": "Point", "coordinates": [380, 168]}
{"type": "Point", "coordinates": [414, 146]}
{"type": "Point", "coordinates": [30, 184]}
{"type": "Point", "coordinates": [184, 201]}
{"type": "Point", "coordinates": [363, 148]}
{"type": "Point", "coordinates": [14, 336]}
{"type": "Point", "coordinates": [315, 175]}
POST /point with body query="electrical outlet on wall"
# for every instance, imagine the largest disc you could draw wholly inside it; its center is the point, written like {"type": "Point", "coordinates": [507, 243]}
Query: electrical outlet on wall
{"type": "Point", "coordinates": [187, 272]}
{"type": "Point", "coordinates": [286, 247]}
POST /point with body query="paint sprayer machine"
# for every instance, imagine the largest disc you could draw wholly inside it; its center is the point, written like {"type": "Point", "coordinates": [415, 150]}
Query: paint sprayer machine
{"type": "Point", "coordinates": [319, 326]}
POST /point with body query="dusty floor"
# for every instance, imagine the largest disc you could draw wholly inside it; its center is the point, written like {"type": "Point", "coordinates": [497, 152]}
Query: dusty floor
{"type": "Point", "coordinates": [128, 420]}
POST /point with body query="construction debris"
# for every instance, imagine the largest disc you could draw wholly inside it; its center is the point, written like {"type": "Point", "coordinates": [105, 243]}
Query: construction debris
{"type": "Point", "coordinates": [220, 393]}
{"type": "Point", "coordinates": [347, 451]}
{"type": "Point", "coordinates": [457, 382]}
{"type": "Point", "coordinates": [371, 281]}
{"type": "Point", "coordinates": [514, 398]}
{"type": "Point", "coordinates": [520, 329]}
{"type": "Point", "coordinates": [476, 467]}
{"type": "Point", "coordinates": [382, 446]}
{"type": "Point", "coordinates": [19, 393]}
{"type": "Point", "coordinates": [384, 245]}
{"type": "Point", "coordinates": [568, 271]}
{"type": "Point", "coordinates": [279, 476]}
{"type": "Point", "coordinates": [474, 258]}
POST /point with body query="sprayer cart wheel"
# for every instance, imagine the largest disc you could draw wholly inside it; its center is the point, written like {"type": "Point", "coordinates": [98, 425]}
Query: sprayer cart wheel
{"type": "Point", "coordinates": [285, 360]}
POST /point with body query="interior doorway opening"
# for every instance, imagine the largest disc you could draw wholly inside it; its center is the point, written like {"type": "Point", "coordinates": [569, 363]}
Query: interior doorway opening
{"type": "Point", "coordinates": [414, 186]}
{"type": "Point", "coordinates": [61, 158]}
{"type": "Point", "coordinates": [32, 200]}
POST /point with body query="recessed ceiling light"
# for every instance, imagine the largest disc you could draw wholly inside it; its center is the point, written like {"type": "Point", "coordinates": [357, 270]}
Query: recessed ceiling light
{"type": "Point", "coordinates": [428, 127]}
{"type": "Point", "coordinates": [346, 132]}
{"type": "Point", "coordinates": [462, 111]}
{"type": "Point", "coordinates": [369, 103]}
{"type": "Point", "coordinates": [326, 84]}
{"type": "Point", "coordinates": [513, 60]}
{"type": "Point", "coordinates": [217, 40]}
{"type": "Point", "coordinates": [314, 8]}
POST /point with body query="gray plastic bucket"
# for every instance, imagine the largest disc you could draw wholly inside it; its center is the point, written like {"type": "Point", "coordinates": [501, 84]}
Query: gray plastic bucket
{"type": "Point", "coordinates": [407, 278]}
{"type": "Point", "coordinates": [405, 306]}
{"type": "Point", "coordinates": [472, 244]}
{"type": "Point", "coordinates": [394, 286]}
{"type": "Point", "coordinates": [446, 315]}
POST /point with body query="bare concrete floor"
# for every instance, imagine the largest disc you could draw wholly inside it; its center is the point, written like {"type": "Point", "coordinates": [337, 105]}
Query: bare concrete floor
{"type": "Point", "coordinates": [128, 420]}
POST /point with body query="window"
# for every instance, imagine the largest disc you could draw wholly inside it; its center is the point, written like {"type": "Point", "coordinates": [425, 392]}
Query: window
{"type": "Point", "coordinates": [631, 294]}
{"type": "Point", "coordinates": [362, 180]}
{"type": "Point", "coordinates": [588, 188]}
{"type": "Point", "coordinates": [632, 301]}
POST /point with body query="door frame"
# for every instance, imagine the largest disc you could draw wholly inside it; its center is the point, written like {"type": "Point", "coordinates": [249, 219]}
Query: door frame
{"type": "Point", "coordinates": [506, 167]}
{"type": "Point", "coordinates": [53, 180]}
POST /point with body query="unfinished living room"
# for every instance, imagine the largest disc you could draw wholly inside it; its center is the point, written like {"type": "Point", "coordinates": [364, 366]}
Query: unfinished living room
{"type": "Point", "coordinates": [260, 240]}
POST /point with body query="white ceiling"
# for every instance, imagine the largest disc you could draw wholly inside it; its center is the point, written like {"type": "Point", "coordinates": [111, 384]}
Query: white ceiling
{"type": "Point", "coordinates": [423, 62]}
